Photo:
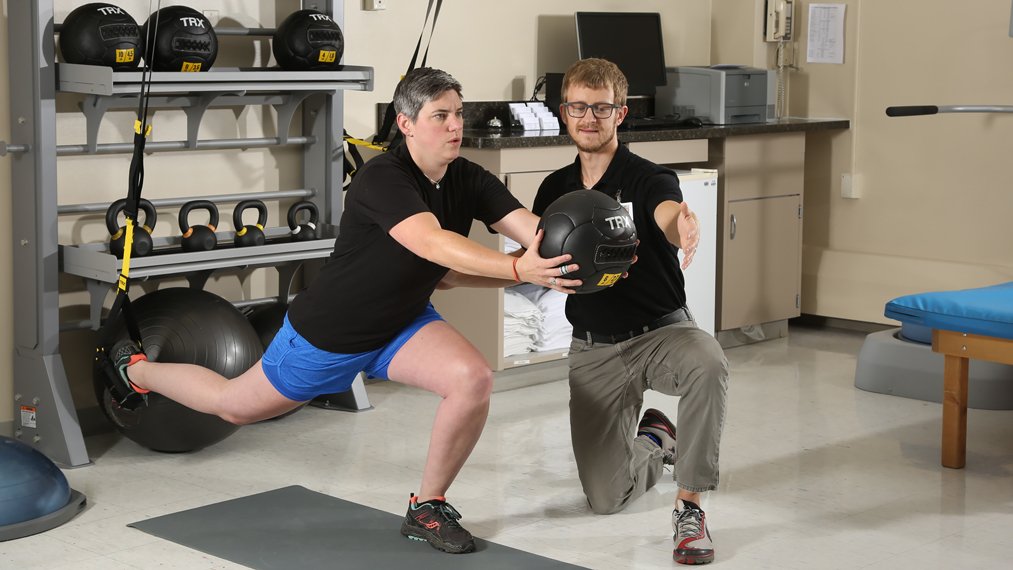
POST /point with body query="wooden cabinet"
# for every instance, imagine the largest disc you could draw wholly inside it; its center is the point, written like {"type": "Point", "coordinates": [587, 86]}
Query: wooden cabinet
{"type": "Point", "coordinates": [760, 181]}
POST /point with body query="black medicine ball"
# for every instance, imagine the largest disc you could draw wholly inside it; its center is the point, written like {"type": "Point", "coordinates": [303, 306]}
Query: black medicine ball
{"type": "Point", "coordinates": [184, 41]}
{"type": "Point", "coordinates": [308, 40]}
{"type": "Point", "coordinates": [101, 34]}
{"type": "Point", "coordinates": [596, 231]}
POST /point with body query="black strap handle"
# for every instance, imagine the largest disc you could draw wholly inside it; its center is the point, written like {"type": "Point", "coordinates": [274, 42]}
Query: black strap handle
{"type": "Point", "coordinates": [911, 110]}
{"type": "Point", "coordinates": [391, 114]}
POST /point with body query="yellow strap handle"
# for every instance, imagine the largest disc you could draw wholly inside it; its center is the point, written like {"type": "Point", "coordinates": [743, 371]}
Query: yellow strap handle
{"type": "Point", "coordinates": [137, 128]}
{"type": "Point", "coordinates": [367, 144]}
{"type": "Point", "coordinates": [128, 242]}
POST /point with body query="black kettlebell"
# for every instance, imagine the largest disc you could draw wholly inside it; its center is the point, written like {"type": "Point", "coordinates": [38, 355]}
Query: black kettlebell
{"type": "Point", "coordinates": [249, 235]}
{"type": "Point", "coordinates": [142, 244]}
{"type": "Point", "coordinates": [307, 231]}
{"type": "Point", "coordinates": [198, 238]}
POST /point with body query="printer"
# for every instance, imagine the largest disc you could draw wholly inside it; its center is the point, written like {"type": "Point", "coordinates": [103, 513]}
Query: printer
{"type": "Point", "coordinates": [718, 94]}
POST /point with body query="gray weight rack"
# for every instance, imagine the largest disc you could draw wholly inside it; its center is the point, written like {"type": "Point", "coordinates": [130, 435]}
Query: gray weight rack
{"type": "Point", "coordinates": [44, 412]}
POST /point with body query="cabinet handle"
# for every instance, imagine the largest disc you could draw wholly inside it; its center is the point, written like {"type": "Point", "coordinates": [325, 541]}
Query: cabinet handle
{"type": "Point", "coordinates": [732, 236]}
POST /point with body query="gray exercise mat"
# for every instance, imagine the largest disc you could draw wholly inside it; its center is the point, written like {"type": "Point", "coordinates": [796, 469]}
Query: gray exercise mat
{"type": "Point", "coordinates": [294, 527]}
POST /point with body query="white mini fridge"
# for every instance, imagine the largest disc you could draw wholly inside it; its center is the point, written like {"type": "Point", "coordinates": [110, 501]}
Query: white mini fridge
{"type": "Point", "coordinates": [700, 191]}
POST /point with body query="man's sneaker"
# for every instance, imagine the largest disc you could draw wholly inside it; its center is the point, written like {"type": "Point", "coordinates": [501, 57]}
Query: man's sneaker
{"type": "Point", "coordinates": [693, 543]}
{"type": "Point", "coordinates": [435, 522]}
{"type": "Point", "coordinates": [656, 425]}
{"type": "Point", "coordinates": [114, 365]}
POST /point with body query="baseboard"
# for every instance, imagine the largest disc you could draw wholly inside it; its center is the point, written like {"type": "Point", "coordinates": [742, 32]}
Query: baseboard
{"type": "Point", "coordinates": [531, 375]}
{"type": "Point", "coordinates": [818, 321]}
{"type": "Point", "coordinates": [752, 334]}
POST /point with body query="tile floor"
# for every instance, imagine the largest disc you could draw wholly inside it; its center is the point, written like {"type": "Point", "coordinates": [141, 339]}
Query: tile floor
{"type": "Point", "coordinates": [815, 474]}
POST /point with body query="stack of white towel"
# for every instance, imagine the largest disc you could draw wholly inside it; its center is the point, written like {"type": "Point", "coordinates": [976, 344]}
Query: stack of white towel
{"type": "Point", "coordinates": [523, 331]}
{"type": "Point", "coordinates": [522, 323]}
{"type": "Point", "coordinates": [549, 332]}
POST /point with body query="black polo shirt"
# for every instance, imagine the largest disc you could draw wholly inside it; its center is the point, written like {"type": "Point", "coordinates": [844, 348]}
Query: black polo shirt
{"type": "Point", "coordinates": [655, 286]}
{"type": "Point", "coordinates": [371, 286]}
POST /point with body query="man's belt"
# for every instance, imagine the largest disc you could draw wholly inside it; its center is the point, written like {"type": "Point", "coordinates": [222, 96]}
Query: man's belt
{"type": "Point", "coordinates": [676, 316]}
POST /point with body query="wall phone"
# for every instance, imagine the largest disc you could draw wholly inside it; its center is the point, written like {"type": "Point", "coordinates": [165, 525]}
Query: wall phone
{"type": "Point", "coordinates": [780, 20]}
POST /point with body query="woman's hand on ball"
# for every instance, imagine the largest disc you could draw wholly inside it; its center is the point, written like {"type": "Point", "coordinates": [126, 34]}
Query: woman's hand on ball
{"type": "Point", "coordinates": [547, 272]}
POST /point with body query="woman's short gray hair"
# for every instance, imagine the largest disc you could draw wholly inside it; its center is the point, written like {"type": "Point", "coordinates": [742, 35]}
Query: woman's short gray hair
{"type": "Point", "coordinates": [421, 86]}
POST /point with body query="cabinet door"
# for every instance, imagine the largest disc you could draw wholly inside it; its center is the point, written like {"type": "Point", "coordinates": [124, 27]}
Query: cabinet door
{"type": "Point", "coordinates": [761, 275]}
{"type": "Point", "coordinates": [524, 186]}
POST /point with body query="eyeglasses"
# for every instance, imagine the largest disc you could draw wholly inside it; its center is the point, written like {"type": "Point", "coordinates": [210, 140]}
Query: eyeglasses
{"type": "Point", "coordinates": [600, 110]}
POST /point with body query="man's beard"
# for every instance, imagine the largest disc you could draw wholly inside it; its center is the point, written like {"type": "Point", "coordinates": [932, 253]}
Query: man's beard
{"type": "Point", "coordinates": [597, 146]}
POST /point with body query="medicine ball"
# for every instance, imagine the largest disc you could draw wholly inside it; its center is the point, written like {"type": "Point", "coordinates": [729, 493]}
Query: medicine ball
{"type": "Point", "coordinates": [188, 326]}
{"type": "Point", "coordinates": [596, 231]}
{"type": "Point", "coordinates": [184, 40]}
{"type": "Point", "coordinates": [308, 40]}
{"type": "Point", "coordinates": [101, 34]}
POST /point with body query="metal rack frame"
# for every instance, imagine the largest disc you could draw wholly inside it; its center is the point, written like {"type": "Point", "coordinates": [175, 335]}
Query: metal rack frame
{"type": "Point", "coordinates": [45, 415]}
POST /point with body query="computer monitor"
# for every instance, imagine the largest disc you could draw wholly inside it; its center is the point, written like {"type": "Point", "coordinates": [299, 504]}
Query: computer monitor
{"type": "Point", "coordinates": [631, 40]}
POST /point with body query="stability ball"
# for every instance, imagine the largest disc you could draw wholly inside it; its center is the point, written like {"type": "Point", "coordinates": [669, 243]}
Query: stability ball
{"type": "Point", "coordinates": [34, 494]}
{"type": "Point", "coordinates": [186, 326]}
{"type": "Point", "coordinates": [267, 320]}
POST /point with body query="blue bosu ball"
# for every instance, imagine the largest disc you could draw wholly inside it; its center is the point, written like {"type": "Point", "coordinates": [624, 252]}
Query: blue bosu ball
{"type": "Point", "coordinates": [34, 493]}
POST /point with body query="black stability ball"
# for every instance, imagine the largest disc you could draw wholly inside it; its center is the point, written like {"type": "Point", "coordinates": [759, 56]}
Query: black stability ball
{"type": "Point", "coordinates": [184, 41]}
{"type": "Point", "coordinates": [267, 320]}
{"type": "Point", "coordinates": [596, 230]}
{"type": "Point", "coordinates": [308, 40]}
{"type": "Point", "coordinates": [187, 326]}
{"type": "Point", "coordinates": [101, 34]}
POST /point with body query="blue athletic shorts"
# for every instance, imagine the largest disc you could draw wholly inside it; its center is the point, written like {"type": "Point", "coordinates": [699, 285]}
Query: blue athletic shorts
{"type": "Point", "coordinates": [301, 371]}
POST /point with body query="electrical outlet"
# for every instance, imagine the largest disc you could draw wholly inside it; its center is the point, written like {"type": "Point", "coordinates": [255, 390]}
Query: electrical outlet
{"type": "Point", "coordinates": [374, 5]}
{"type": "Point", "coordinates": [851, 186]}
{"type": "Point", "coordinates": [212, 16]}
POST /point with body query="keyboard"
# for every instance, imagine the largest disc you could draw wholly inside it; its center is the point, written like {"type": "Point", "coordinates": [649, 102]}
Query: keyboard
{"type": "Point", "coordinates": [644, 123]}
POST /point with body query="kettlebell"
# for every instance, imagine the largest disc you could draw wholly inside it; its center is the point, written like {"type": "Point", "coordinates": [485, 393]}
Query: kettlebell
{"type": "Point", "coordinates": [142, 244]}
{"type": "Point", "coordinates": [249, 235]}
{"type": "Point", "coordinates": [307, 231]}
{"type": "Point", "coordinates": [198, 238]}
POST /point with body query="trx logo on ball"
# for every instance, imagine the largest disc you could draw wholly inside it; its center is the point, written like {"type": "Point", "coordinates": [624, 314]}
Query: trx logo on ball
{"type": "Point", "coordinates": [107, 10]}
{"type": "Point", "coordinates": [319, 17]}
{"type": "Point", "coordinates": [192, 22]}
{"type": "Point", "coordinates": [327, 56]}
{"type": "Point", "coordinates": [609, 279]}
{"type": "Point", "coordinates": [187, 66]}
{"type": "Point", "coordinates": [617, 222]}
{"type": "Point", "coordinates": [124, 55]}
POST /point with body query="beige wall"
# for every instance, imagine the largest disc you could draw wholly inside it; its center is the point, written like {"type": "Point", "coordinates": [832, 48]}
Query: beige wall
{"type": "Point", "coordinates": [935, 204]}
{"type": "Point", "coordinates": [497, 49]}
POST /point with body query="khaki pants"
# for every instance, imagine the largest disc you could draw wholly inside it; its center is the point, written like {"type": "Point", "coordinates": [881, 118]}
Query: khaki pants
{"type": "Point", "coordinates": [607, 384]}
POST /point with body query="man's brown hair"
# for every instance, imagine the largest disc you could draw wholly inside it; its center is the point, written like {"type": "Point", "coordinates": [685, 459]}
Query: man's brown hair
{"type": "Point", "coordinates": [596, 73]}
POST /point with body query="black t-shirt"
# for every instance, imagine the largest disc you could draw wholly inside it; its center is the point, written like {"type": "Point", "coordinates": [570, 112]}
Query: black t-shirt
{"type": "Point", "coordinates": [371, 286]}
{"type": "Point", "coordinates": [655, 286]}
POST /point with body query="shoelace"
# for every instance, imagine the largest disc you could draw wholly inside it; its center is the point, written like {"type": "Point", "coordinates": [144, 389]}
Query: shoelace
{"type": "Point", "coordinates": [689, 520]}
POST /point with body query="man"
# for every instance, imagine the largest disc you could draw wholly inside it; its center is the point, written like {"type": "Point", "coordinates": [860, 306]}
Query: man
{"type": "Point", "coordinates": [637, 334]}
{"type": "Point", "coordinates": [406, 218]}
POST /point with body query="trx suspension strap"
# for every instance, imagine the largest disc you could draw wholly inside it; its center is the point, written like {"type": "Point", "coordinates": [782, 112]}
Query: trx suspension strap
{"type": "Point", "coordinates": [391, 114]}
{"type": "Point", "coordinates": [379, 141]}
{"type": "Point", "coordinates": [121, 394]}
